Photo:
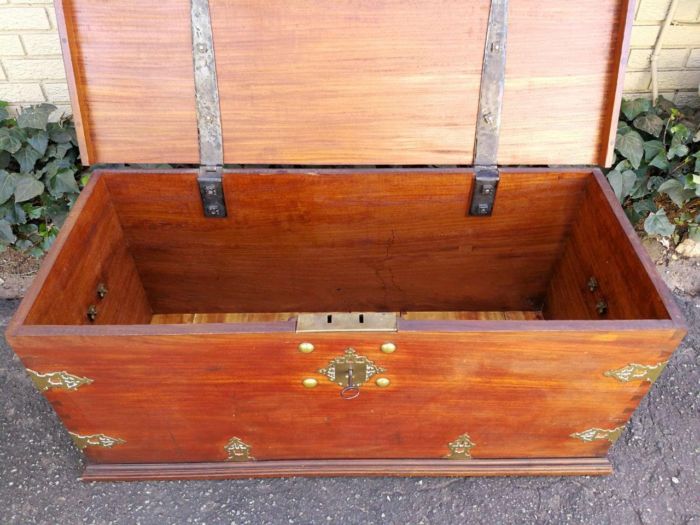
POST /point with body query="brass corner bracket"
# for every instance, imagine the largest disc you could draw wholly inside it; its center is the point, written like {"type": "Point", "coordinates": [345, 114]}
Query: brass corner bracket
{"type": "Point", "coordinates": [635, 371]}
{"type": "Point", "coordinates": [595, 434]}
{"type": "Point", "coordinates": [59, 380]}
{"type": "Point", "coordinates": [460, 448]}
{"type": "Point", "coordinates": [95, 440]}
{"type": "Point", "coordinates": [238, 450]}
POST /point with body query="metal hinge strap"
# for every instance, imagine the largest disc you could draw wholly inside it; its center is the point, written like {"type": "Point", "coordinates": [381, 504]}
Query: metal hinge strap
{"type": "Point", "coordinates": [488, 121]}
{"type": "Point", "coordinates": [211, 152]}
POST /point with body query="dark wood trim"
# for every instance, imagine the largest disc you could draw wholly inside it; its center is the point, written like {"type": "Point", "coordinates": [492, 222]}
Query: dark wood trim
{"type": "Point", "coordinates": [71, 64]}
{"type": "Point", "coordinates": [621, 51]}
{"type": "Point", "coordinates": [351, 467]}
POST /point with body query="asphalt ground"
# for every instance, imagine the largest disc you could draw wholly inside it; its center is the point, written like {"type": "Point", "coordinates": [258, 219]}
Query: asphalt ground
{"type": "Point", "coordinates": [656, 479]}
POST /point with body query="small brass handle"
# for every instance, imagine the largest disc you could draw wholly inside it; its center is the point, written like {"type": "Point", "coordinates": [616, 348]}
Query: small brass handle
{"type": "Point", "coordinates": [352, 390]}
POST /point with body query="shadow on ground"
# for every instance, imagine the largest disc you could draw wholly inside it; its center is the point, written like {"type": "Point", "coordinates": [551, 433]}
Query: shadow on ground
{"type": "Point", "coordinates": [656, 479]}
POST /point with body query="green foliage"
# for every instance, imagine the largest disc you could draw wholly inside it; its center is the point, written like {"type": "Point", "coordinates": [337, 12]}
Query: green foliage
{"type": "Point", "coordinates": [40, 177]}
{"type": "Point", "coordinates": [656, 175]}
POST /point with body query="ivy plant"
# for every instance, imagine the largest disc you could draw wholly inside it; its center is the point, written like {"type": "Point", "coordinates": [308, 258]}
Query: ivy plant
{"type": "Point", "coordinates": [40, 177]}
{"type": "Point", "coordinates": [656, 174]}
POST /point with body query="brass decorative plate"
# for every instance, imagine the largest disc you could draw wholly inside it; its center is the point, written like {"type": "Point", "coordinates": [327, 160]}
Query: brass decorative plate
{"type": "Point", "coordinates": [362, 368]}
{"type": "Point", "coordinates": [635, 371]}
{"type": "Point", "coordinates": [238, 450]}
{"type": "Point", "coordinates": [59, 380]}
{"type": "Point", "coordinates": [460, 448]}
{"type": "Point", "coordinates": [594, 434]}
{"type": "Point", "coordinates": [95, 440]}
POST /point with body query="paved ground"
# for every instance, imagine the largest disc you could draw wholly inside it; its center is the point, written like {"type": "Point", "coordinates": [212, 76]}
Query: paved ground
{"type": "Point", "coordinates": [656, 480]}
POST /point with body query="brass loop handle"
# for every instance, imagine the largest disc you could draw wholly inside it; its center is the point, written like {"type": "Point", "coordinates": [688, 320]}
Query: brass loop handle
{"type": "Point", "coordinates": [350, 392]}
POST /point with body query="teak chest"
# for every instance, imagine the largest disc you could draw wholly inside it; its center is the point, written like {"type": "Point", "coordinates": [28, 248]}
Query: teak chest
{"type": "Point", "coordinates": [350, 297]}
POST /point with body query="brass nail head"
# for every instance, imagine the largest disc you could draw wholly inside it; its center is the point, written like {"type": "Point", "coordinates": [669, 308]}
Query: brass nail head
{"type": "Point", "coordinates": [309, 382]}
{"type": "Point", "coordinates": [383, 382]}
{"type": "Point", "coordinates": [306, 348]}
{"type": "Point", "coordinates": [388, 348]}
{"type": "Point", "coordinates": [101, 290]}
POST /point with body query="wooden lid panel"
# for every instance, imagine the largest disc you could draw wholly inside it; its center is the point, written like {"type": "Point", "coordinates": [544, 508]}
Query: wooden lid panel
{"type": "Point", "coordinates": [132, 73]}
{"type": "Point", "coordinates": [347, 82]}
{"type": "Point", "coordinates": [561, 74]}
{"type": "Point", "coordinates": [350, 81]}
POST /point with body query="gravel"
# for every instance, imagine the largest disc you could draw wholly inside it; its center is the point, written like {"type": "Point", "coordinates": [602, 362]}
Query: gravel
{"type": "Point", "coordinates": [656, 479]}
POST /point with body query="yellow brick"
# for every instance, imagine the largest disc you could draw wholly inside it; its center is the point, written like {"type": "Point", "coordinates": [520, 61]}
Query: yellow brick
{"type": "Point", "coordinates": [693, 59]}
{"type": "Point", "coordinates": [682, 36]}
{"type": "Point", "coordinates": [656, 10]}
{"type": "Point", "coordinates": [42, 44]}
{"type": "Point", "coordinates": [681, 79]}
{"type": "Point", "coordinates": [34, 69]}
{"type": "Point", "coordinates": [644, 36]}
{"type": "Point", "coordinates": [637, 81]}
{"type": "Point", "coordinates": [653, 9]}
{"type": "Point", "coordinates": [18, 18]}
{"type": "Point", "coordinates": [10, 45]}
{"type": "Point", "coordinates": [21, 93]}
{"type": "Point", "coordinates": [56, 92]}
{"type": "Point", "coordinates": [668, 59]}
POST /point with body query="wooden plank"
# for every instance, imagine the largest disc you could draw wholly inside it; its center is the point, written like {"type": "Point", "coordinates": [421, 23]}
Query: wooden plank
{"type": "Point", "coordinates": [354, 467]}
{"type": "Point", "coordinates": [325, 240]}
{"type": "Point", "coordinates": [74, 79]}
{"type": "Point", "coordinates": [91, 251]}
{"type": "Point", "coordinates": [604, 246]}
{"type": "Point", "coordinates": [134, 80]}
{"type": "Point", "coordinates": [367, 82]}
{"type": "Point", "coordinates": [517, 393]}
{"type": "Point", "coordinates": [612, 113]}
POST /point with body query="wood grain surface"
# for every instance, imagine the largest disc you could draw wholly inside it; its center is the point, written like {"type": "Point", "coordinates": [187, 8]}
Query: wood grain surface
{"type": "Point", "coordinates": [199, 318]}
{"type": "Point", "coordinates": [133, 76]}
{"type": "Point", "coordinates": [180, 398]}
{"type": "Point", "coordinates": [95, 253]}
{"type": "Point", "coordinates": [353, 467]}
{"type": "Point", "coordinates": [603, 246]}
{"type": "Point", "coordinates": [366, 82]}
{"type": "Point", "coordinates": [374, 240]}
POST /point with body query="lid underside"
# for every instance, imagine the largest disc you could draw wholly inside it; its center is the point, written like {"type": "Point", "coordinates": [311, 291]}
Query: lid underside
{"type": "Point", "coordinates": [347, 82]}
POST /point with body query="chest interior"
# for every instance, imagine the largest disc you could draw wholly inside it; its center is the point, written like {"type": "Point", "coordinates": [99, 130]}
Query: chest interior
{"type": "Point", "coordinates": [345, 241]}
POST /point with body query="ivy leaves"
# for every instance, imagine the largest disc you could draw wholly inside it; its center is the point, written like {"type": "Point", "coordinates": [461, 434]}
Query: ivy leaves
{"type": "Point", "coordinates": [658, 154]}
{"type": "Point", "coordinates": [39, 168]}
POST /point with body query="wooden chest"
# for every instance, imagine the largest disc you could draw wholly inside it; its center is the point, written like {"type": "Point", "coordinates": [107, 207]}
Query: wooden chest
{"type": "Point", "coordinates": [349, 297]}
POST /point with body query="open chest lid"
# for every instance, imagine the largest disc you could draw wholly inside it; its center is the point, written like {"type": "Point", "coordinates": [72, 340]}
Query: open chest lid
{"type": "Point", "coordinates": [343, 82]}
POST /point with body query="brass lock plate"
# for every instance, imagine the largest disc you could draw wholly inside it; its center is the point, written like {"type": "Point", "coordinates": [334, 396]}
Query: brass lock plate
{"type": "Point", "coordinates": [347, 322]}
{"type": "Point", "coordinates": [362, 369]}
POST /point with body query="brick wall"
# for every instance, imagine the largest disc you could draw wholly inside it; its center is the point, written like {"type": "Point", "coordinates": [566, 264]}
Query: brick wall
{"type": "Point", "coordinates": [679, 61]}
{"type": "Point", "coordinates": [31, 70]}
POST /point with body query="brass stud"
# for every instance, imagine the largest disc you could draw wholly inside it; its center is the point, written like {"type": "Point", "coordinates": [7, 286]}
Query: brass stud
{"type": "Point", "coordinates": [383, 382]}
{"type": "Point", "coordinates": [388, 348]}
{"type": "Point", "coordinates": [309, 382]}
{"type": "Point", "coordinates": [306, 348]}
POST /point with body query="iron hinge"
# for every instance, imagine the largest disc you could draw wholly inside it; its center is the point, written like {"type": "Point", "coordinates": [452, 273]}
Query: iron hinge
{"type": "Point", "coordinates": [212, 191]}
{"type": "Point", "coordinates": [488, 123]}
{"type": "Point", "coordinates": [484, 190]}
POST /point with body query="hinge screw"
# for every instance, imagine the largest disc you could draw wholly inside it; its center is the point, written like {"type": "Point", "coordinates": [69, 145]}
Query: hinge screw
{"type": "Point", "coordinates": [592, 284]}
{"type": "Point", "coordinates": [92, 312]}
{"type": "Point", "coordinates": [601, 307]}
{"type": "Point", "coordinates": [488, 118]}
{"type": "Point", "coordinates": [213, 209]}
